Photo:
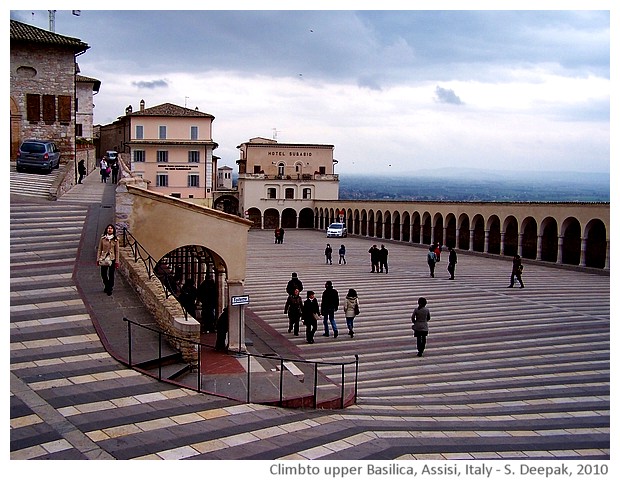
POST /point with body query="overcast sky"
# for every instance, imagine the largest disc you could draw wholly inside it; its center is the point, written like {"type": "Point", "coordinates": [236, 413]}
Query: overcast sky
{"type": "Point", "coordinates": [393, 91]}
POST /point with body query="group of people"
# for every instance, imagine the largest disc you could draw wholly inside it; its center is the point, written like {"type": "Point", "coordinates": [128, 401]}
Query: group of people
{"type": "Point", "coordinates": [434, 256]}
{"type": "Point", "coordinates": [108, 167]}
{"type": "Point", "coordinates": [378, 259]}
{"type": "Point", "coordinates": [341, 255]}
{"type": "Point", "coordinates": [309, 312]}
{"type": "Point", "coordinates": [278, 235]}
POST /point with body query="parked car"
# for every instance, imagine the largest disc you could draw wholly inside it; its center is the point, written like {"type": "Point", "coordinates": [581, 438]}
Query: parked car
{"type": "Point", "coordinates": [337, 230]}
{"type": "Point", "coordinates": [112, 155]}
{"type": "Point", "coordinates": [38, 154]}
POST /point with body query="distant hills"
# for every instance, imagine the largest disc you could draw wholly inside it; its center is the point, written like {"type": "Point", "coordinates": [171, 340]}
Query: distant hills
{"type": "Point", "coordinates": [478, 185]}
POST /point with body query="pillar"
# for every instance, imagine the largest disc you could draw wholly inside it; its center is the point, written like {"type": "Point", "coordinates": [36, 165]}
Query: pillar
{"type": "Point", "coordinates": [582, 254]}
{"type": "Point", "coordinates": [486, 241]}
{"type": "Point", "coordinates": [236, 319]}
{"type": "Point", "coordinates": [520, 245]}
{"type": "Point", "coordinates": [502, 237]}
{"type": "Point", "coordinates": [560, 248]}
{"type": "Point", "coordinates": [471, 240]}
{"type": "Point", "coordinates": [539, 247]}
{"type": "Point", "coordinates": [607, 256]}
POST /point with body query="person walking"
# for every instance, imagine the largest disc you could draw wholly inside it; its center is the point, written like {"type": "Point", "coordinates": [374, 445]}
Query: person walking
{"type": "Point", "coordinates": [329, 304]}
{"type": "Point", "coordinates": [281, 235]}
{"type": "Point", "coordinates": [431, 259]}
{"type": "Point", "coordinates": [437, 252]}
{"type": "Point", "coordinates": [107, 257]}
{"type": "Point", "coordinates": [419, 318]}
{"type": "Point", "coordinates": [294, 283]}
{"type": "Point", "coordinates": [328, 254]}
{"type": "Point", "coordinates": [276, 235]}
{"type": "Point", "coordinates": [114, 166]}
{"type": "Point", "coordinates": [81, 170]}
{"type": "Point", "coordinates": [310, 315]}
{"type": "Point", "coordinates": [374, 259]}
{"type": "Point", "coordinates": [451, 262]}
{"type": "Point", "coordinates": [351, 309]}
{"type": "Point", "coordinates": [383, 256]}
{"type": "Point", "coordinates": [517, 270]}
{"type": "Point", "coordinates": [293, 308]}
{"type": "Point", "coordinates": [103, 170]}
{"type": "Point", "coordinates": [341, 253]}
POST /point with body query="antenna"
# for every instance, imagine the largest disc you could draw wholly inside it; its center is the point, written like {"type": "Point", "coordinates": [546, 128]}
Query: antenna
{"type": "Point", "coordinates": [275, 133]}
{"type": "Point", "coordinates": [186, 101]}
{"type": "Point", "coordinates": [52, 20]}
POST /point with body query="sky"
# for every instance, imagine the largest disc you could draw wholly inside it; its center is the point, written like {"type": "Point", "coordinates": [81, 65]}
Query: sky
{"type": "Point", "coordinates": [395, 91]}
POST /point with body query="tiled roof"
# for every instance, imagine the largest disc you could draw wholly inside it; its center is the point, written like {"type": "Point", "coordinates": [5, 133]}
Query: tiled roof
{"type": "Point", "coordinates": [21, 32]}
{"type": "Point", "coordinates": [170, 110]}
{"type": "Point", "coordinates": [96, 83]}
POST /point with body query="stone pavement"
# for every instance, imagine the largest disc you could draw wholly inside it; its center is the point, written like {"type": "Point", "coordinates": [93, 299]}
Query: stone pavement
{"type": "Point", "coordinates": [508, 374]}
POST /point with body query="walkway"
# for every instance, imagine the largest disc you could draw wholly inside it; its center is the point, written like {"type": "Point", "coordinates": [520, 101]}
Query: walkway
{"type": "Point", "coordinates": [510, 381]}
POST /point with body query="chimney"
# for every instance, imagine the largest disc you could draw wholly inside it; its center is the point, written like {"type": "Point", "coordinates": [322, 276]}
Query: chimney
{"type": "Point", "coordinates": [128, 110]}
{"type": "Point", "coordinates": [142, 105]}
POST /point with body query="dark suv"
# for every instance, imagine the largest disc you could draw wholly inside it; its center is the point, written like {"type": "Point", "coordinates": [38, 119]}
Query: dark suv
{"type": "Point", "coordinates": [40, 154]}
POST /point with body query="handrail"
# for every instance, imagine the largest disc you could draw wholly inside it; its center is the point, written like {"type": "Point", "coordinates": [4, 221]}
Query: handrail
{"type": "Point", "coordinates": [247, 397]}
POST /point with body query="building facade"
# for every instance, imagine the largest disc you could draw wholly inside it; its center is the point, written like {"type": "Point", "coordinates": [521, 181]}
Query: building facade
{"type": "Point", "coordinates": [171, 147]}
{"type": "Point", "coordinates": [276, 178]}
{"type": "Point", "coordinates": [43, 72]}
{"type": "Point", "coordinates": [85, 89]}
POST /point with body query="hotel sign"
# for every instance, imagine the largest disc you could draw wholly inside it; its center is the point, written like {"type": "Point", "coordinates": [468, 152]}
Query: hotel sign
{"type": "Point", "coordinates": [290, 153]}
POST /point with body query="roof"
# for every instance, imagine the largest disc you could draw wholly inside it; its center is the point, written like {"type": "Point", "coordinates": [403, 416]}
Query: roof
{"type": "Point", "coordinates": [22, 32]}
{"type": "Point", "coordinates": [96, 83]}
{"type": "Point", "coordinates": [170, 110]}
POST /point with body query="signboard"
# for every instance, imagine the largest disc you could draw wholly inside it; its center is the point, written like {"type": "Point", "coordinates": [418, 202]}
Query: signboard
{"type": "Point", "coordinates": [239, 300]}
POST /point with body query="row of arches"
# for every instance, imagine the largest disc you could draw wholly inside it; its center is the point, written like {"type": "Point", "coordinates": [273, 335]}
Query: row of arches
{"type": "Point", "coordinates": [563, 241]}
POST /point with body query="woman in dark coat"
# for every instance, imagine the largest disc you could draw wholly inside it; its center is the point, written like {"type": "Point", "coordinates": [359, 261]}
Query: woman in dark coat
{"type": "Point", "coordinates": [420, 317]}
{"type": "Point", "coordinates": [517, 269]}
{"type": "Point", "coordinates": [309, 315]}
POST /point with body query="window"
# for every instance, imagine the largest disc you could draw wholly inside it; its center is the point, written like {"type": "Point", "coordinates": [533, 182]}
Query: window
{"type": "Point", "coordinates": [307, 193]}
{"type": "Point", "coordinates": [139, 132]}
{"type": "Point", "coordinates": [256, 168]}
{"type": "Point", "coordinates": [289, 193]}
{"type": "Point", "coordinates": [322, 170]}
{"type": "Point", "coordinates": [33, 107]}
{"type": "Point", "coordinates": [193, 180]}
{"type": "Point", "coordinates": [78, 130]}
{"type": "Point", "coordinates": [281, 169]}
{"type": "Point", "coordinates": [271, 193]}
{"type": "Point", "coordinates": [64, 108]}
{"type": "Point", "coordinates": [139, 155]}
{"type": "Point", "coordinates": [162, 156]}
{"type": "Point", "coordinates": [193, 133]}
{"type": "Point", "coordinates": [162, 132]}
{"type": "Point", "coordinates": [162, 180]}
{"type": "Point", "coordinates": [49, 108]}
{"type": "Point", "coordinates": [193, 156]}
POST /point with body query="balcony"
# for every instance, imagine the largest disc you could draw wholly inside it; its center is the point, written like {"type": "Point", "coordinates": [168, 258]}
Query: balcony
{"type": "Point", "coordinates": [299, 177]}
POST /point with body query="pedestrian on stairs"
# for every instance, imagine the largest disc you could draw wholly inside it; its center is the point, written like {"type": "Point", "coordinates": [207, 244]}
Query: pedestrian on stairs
{"type": "Point", "coordinates": [107, 257]}
{"type": "Point", "coordinates": [419, 318]}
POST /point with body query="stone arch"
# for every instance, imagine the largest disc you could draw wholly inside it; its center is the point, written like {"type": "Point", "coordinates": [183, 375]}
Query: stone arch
{"type": "Point", "coordinates": [571, 241]}
{"type": "Point", "coordinates": [396, 233]}
{"type": "Point", "coordinates": [463, 240]}
{"type": "Point", "coordinates": [511, 236]}
{"type": "Point", "coordinates": [495, 235]}
{"type": "Point", "coordinates": [406, 227]}
{"type": "Point", "coordinates": [356, 222]}
{"type": "Point", "coordinates": [549, 240]}
{"type": "Point", "coordinates": [227, 204]}
{"type": "Point", "coordinates": [371, 223]}
{"type": "Point", "coordinates": [254, 216]}
{"type": "Point", "coordinates": [595, 243]}
{"type": "Point", "coordinates": [477, 225]}
{"type": "Point", "coordinates": [289, 218]}
{"type": "Point", "coordinates": [438, 229]}
{"type": "Point", "coordinates": [306, 218]}
{"type": "Point", "coordinates": [450, 239]}
{"type": "Point", "coordinates": [379, 224]}
{"type": "Point", "coordinates": [364, 223]}
{"type": "Point", "coordinates": [427, 229]}
{"type": "Point", "coordinates": [416, 231]}
{"type": "Point", "coordinates": [271, 219]}
{"type": "Point", "coordinates": [529, 238]}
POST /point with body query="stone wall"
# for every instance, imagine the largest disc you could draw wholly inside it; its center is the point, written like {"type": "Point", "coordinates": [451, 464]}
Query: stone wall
{"type": "Point", "coordinates": [167, 312]}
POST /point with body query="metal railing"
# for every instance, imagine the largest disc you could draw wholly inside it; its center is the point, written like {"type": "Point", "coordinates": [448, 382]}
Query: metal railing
{"type": "Point", "coordinates": [277, 380]}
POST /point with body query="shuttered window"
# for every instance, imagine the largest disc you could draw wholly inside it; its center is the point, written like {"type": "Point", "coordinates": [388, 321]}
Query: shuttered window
{"type": "Point", "coordinates": [64, 108]}
{"type": "Point", "coordinates": [33, 107]}
{"type": "Point", "coordinates": [49, 108]}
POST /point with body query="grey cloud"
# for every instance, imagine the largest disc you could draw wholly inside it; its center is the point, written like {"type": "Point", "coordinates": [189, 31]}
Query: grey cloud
{"type": "Point", "coordinates": [445, 95]}
{"type": "Point", "coordinates": [151, 84]}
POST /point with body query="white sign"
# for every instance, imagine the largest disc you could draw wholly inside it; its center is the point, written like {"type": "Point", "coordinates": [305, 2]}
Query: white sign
{"type": "Point", "coordinates": [239, 300]}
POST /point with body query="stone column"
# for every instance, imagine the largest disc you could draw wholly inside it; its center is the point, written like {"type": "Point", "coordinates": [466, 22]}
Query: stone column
{"type": "Point", "coordinates": [582, 254]}
{"type": "Point", "coordinates": [560, 248]}
{"type": "Point", "coordinates": [502, 237]}
{"type": "Point", "coordinates": [486, 241]}
{"type": "Point", "coordinates": [520, 245]}
{"type": "Point", "coordinates": [471, 240]}
{"type": "Point", "coordinates": [607, 256]}
{"type": "Point", "coordinates": [539, 247]}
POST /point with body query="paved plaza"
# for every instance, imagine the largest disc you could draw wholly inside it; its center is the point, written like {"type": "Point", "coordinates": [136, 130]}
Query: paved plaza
{"type": "Point", "coordinates": [508, 373]}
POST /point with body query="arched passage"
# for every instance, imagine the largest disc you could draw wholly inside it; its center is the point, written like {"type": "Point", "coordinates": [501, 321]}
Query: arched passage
{"type": "Point", "coordinates": [306, 218]}
{"type": "Point", "coordinates": [511, 236]}
{"type": "Point", "coordinates": [571, 244]}
{"type": "Point", "coordinates": [596, 244]}
{"type": "Point", "coordinates": [549, 240]}
{"type": "Point", "coordinates": [529, 240]}
{"type": "Point", "coordinates": [271, 219]}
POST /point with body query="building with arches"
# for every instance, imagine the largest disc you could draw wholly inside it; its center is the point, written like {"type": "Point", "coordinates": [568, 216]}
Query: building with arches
{"type": "Point", "coordinates": [279, 182]}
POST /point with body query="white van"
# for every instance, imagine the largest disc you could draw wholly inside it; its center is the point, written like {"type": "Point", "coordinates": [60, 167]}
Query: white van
{"type": "Point", "coordinates": [337, 230]}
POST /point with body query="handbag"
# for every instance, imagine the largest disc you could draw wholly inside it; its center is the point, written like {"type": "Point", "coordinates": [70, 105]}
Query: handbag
{"type": "Point", "coordinates": [105, 261]}
{"type": "Point", "coordinates": [356, 309]}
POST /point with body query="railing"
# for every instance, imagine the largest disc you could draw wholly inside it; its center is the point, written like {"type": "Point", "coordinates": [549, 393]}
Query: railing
{"type": "Point", "coordinates": [266, 379]}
